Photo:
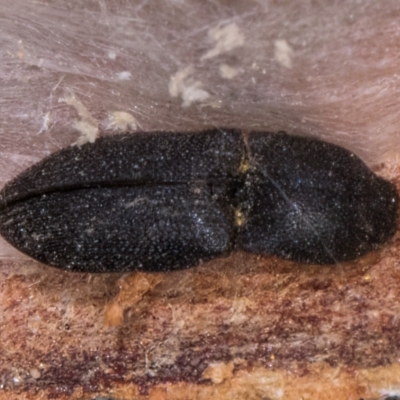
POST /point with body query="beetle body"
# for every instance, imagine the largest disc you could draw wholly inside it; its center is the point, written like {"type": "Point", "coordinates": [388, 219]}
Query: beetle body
{"type": "Point", "coordinates": [163, 201]}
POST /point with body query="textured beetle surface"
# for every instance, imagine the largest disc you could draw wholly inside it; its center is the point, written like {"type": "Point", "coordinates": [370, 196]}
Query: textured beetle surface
{"type": "Point", "coordinates": [161, 201]}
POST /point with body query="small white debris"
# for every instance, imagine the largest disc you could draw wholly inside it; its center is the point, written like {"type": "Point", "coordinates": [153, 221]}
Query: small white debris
{"type": "Point", "coordinates": [124, 75]}
{"type": "Point", "coordinates": [228, 72]}
{"type": "Point", "coordinates": [112, 55]}
{"type": "Point", "coordinates": [194, 93]}
{"type": "Point", "coordinates": [87, 126]}
{"type": "Point", "coordinates": [17, 380]}
{"type": "Point", "coordinates": [45, 124]}
{"type": "Point", "coordinates": [121, 121]}
{"type": "Point", "coordinates": [283, 53]}
{"type": "Point", "coordinates": [177, 82]}
{"type": "Point", "coordinates": [227, 38]}
{"type": "Point", "coordinates": [88, 132]}
{"type": "Point", "coordinates": [184, 85]}
{"type": "Point", "coordinates": [83, 112]}
{"type": "Point", "coordinates": [35, 373]}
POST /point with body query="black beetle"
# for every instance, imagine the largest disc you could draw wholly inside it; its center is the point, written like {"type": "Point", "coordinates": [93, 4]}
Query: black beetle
{"type": "Point", "coordinates": [161, 201]}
